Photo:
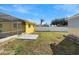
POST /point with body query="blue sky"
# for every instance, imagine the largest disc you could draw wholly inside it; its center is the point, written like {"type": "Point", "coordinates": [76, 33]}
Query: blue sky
{"type": "Point", "coordinates": [33, 12]}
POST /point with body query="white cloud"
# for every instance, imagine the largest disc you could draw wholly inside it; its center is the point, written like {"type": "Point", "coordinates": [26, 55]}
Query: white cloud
{"type": "Point", "coordinates": [69, 9]}
{"type": "Point", "coordinates": [66, 7]}
{"type": "Point", "coordinates": [3, 8]}
{"type": "Point", "coordinates": [16, 8]}
{"type": "Point", "coordinates": [20, 9]}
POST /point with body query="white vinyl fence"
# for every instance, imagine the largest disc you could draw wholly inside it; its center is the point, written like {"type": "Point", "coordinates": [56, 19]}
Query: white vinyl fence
{"type": "Point", "coordinates": [61, 29]}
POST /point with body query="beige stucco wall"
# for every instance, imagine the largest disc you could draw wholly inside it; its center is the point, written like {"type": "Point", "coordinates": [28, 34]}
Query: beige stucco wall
{"type": "Point", "coordinates": [9, 26]}
{"type": "Point", "coordinates": [20, 27]}
{"type": "Point", "coordinates": [73, 24]}
{"type": "Point", "coordinates": [74, 31]}
{"type": "Point", "coordinates": [6, 26]}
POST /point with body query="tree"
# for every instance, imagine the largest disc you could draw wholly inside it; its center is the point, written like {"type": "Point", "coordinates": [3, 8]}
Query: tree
{"type": "Point", "coordinates": [41, 21]}
{"type": "Point", "coordinates": [60, 22]}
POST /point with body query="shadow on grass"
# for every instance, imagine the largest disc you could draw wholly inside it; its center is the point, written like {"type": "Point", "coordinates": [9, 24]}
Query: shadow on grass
{"type": "Point", "coordinates": [66, 47]}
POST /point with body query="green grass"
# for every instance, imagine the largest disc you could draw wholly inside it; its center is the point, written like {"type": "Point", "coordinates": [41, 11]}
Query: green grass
{"type": "Point", "coordinates": [35, 47]}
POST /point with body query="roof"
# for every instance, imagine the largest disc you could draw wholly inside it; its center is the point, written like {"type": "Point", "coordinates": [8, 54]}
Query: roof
{"type": "Point", "coordinates": [30, 22]}
{"type": "Point", "coordinates": [73, 17]}
{"type": "Point", "coordinates": [6, 17]}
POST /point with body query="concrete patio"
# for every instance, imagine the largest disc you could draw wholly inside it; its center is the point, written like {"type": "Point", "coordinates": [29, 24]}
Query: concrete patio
{"type": "Point", "coordinates": [27, 36]}
{"type": "Point", "coordinates": [21, 36]}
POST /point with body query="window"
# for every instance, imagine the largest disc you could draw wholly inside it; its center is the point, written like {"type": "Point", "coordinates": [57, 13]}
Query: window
{"type": "Point", "coordinates": [0, 25]}
{"type": "Point", "coordinates": [15, 25]}
{"type": "Point", "coordinates": [19, 25]}
{"type": "Point", "coordinates": [29, 25]}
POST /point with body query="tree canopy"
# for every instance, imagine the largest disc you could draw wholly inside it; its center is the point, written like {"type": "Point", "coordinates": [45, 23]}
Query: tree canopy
{"type": "Point", "coordinates": [59, 22]}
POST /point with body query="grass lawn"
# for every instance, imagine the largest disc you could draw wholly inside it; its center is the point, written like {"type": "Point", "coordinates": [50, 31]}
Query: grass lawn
{"type": "Point", "coordinates": [35, 47]}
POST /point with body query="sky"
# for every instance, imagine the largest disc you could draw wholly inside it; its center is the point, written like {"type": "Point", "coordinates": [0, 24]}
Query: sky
{"type": "Point", "coordinates": [34, 12]}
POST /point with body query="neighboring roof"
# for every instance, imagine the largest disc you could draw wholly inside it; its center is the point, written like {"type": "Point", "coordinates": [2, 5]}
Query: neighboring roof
{"type": "Point", "coordinates": [6, 17]}
{"type": "Point", "coordinates": [73, 17]}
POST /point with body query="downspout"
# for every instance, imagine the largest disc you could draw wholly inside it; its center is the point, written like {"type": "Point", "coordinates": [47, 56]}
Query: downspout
{"type": "Point", "coordinates": [11, 26]}
{"type": "Point", "coordinates": [17, 27]}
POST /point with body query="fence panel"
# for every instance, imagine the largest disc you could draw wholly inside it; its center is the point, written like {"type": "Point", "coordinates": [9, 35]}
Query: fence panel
{"type": "Point", "coordinates": [62, 29]}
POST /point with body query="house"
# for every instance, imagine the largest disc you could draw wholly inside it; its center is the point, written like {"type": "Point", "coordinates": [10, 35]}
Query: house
{"type": "Point", "coordinates": [29, 27]}
{"type": "Point", "coordinates": [73, 24]}
{"type": "Point", "coordinates": [12, 25]}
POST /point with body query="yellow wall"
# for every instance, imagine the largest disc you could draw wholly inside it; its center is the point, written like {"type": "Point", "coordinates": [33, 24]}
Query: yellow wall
{"type": "Point", "coordinates": [29, 29]}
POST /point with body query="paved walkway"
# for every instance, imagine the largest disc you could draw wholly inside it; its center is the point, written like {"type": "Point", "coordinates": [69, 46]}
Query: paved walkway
{"type": "Point", "coordinates": [8, 38]}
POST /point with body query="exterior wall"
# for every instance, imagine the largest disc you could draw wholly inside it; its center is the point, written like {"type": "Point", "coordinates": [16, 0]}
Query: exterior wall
{"type": "Point", "coordinates": [74, 31]}
{"type": "Point", "coordinates": [9, 30]}
{"type": "Point", "coordinates": [9, 26]}
{"type": "Point", "coordinates": [73, 23]}
{"type": "Point", "coordinates": [74, 26]}
{"type": "Point", "coordinates": [6, 26]}
{"type": "Point", "coordinates": [19, 25]}
{"type": "Point", "coordinates": [29, 29]}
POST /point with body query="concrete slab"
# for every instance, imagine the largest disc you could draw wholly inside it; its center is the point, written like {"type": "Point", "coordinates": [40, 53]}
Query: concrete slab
{"type": "Point", "coordinates": [22, 36]}
{"type": "Point", "coordinates": [27, 36]}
